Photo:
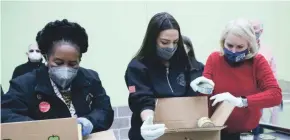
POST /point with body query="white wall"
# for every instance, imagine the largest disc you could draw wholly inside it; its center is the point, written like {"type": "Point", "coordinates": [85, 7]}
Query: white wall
{"type": "Point", "coordinates": [116, 30]}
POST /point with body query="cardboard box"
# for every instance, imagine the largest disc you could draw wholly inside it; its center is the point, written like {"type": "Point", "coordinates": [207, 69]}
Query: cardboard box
{"type": "Point", "coordinates": [180, 115]}
{"type": "Point", "coordinates": [53, 129]}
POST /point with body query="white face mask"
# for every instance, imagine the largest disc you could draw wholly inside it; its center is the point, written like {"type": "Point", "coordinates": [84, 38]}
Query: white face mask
{"type": "Point", "coordinates": [34, 56]}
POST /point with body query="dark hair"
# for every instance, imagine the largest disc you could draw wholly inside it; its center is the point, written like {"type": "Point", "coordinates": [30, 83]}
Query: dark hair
{"type": "Point", "coordinates": [160, 22]}
{"type": "Point", "coordinates": [188, 44]}
{"type": "Point", "coordinates": [63, 30]}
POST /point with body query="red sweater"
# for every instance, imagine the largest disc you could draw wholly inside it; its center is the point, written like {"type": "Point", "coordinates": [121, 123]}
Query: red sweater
{"type": "Point", "coordinates": [253, 79]}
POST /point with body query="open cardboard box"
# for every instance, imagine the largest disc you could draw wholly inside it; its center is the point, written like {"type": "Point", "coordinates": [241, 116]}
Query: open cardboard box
{"type": "Point", "coordinates": [180, 116]}
{"type": "Point", "coordinates": [53, 129]}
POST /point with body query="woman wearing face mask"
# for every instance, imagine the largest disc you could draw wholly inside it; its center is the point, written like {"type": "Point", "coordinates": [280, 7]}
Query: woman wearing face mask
{"type": "Point", "coordinates": [160, 69]}
{"type": "Point", "coordinates": [242, 77]}
{"type": "Point", "coordinates": [62, 88]}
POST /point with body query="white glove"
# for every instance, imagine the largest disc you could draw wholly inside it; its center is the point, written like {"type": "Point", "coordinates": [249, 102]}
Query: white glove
{"type": "Point", "coordinates": [194, 84]}
{"type": "Point", "coordinates": [150, 131]}
{"type": "Point", "coordinates": [226, 96]}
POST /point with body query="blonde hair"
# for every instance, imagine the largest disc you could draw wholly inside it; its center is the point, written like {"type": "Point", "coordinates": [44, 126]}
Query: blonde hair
{"type": "Point", "coordinates": [244, 29]}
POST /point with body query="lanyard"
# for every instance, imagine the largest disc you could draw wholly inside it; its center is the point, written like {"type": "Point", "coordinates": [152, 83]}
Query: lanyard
{"type": "Point", "coordinates": [69, 104]}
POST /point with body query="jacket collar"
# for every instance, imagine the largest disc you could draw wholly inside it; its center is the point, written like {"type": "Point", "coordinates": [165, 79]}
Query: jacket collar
{"type": "Point", "coordinates": [35, 63]}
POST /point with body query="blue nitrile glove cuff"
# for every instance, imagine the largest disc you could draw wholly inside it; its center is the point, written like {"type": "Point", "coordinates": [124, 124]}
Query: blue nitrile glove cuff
{"type": "Point", "coordinates": [87, 126]}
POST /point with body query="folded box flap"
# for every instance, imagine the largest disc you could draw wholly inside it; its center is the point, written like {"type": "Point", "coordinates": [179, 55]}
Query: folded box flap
{"type": "Point", "coordinates": [222, 113]}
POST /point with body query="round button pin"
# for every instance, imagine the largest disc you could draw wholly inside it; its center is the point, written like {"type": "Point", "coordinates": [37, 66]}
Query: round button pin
{"type": "Point", "coordinates": [44, 107]}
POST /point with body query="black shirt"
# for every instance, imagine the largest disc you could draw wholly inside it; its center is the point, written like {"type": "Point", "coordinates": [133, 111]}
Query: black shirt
{"type": "Point", "coordinates": [25, 68]}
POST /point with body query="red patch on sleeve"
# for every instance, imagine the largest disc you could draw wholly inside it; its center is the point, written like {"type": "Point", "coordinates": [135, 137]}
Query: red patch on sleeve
{"type": "Point", "coordinates": [132, 89]}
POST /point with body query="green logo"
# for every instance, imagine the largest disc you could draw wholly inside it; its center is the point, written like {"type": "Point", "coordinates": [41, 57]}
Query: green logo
{"type": "Point", "coordinates": [53, 137]}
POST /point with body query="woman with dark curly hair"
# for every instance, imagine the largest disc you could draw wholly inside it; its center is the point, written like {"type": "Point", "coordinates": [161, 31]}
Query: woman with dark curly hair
{"type": "Point", "coordinates": [62, 88]}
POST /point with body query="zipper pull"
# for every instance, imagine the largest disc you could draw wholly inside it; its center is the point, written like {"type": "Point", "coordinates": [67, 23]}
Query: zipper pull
{"type": "Point", "coordinates": [167, 70]}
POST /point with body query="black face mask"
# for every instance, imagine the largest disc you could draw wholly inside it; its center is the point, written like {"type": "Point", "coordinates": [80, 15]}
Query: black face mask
{"type": "Point", "coordinates": [166, 53]}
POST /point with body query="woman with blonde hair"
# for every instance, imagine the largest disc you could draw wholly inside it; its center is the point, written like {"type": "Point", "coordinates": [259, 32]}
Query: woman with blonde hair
{"type": "Point", "coordinates": [242, 77]}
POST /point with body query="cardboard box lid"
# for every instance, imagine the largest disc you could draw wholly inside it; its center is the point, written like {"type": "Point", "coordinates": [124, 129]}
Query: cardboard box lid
{"type": "Point", "coordinates": [222, 113]}
{"type": "Point", "coordinates": [180, 112]}
{"type": "Point", "coordinates": [104, 135]}
{"type": "Point", "coordinates": [52, 129]}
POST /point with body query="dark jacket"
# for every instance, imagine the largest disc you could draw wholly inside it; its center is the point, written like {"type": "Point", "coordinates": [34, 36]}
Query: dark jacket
{"type": "Point", "coordinates": [2, 93]}
{"type": "Point", "coordinates": [147, 82]}
{"type": "Point", "coordinates": [25, 68]}
{"type": "Point", "coordinates": [26, 92]}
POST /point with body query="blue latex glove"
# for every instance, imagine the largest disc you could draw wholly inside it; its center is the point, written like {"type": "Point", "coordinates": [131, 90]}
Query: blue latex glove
{"type": "Point", "coordinates": [87, 126]}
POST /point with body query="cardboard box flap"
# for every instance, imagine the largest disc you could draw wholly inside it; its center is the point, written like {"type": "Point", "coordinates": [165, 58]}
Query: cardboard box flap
{"type": "Point", "coordinates": [180, 112]}
{"type": "Point", "coordinates": [222, 113]}
{"type": "Point", "coordinates": [195, 129]}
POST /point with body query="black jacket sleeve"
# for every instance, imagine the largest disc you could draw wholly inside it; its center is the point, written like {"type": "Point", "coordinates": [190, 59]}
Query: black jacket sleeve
{"type": "Point", "coordinates": [14, 104]}
{"type": "Point", "coordinates": [102, 114]}
{"type": "Point", "coordinates": [196, 72]}
{"type": "Point", "coordinates": [2, 92]}
{"type": "Point", "coordinates": [141, 95]}
{"type": "Point", "coordinates": [17, 72]}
